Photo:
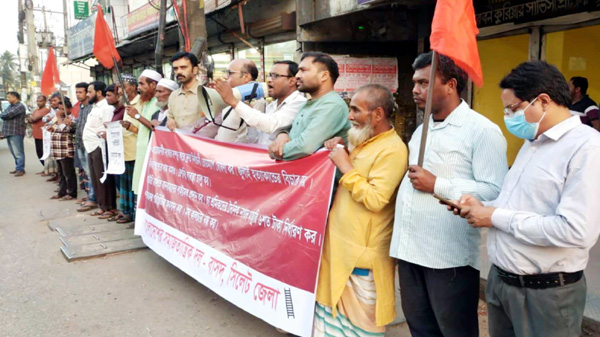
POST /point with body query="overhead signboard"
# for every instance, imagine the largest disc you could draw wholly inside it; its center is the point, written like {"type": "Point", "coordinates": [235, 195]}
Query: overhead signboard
{"type": "Point", "coordinates": [145, 19]}
{"type": "Point", "coordinates": [81, 9]}
{"type": "Point", "coordinates": [81, 38]}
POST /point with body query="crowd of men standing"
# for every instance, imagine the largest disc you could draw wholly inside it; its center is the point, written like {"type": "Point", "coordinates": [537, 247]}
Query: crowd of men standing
{"type": "Point", "coordinates": [541, 214]}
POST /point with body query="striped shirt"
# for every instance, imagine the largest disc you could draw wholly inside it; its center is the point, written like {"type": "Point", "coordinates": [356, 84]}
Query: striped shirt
{"type": "Point", "coordinates": [467, 154]}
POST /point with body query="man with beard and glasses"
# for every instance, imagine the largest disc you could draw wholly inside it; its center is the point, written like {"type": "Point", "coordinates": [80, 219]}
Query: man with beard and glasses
{"type": "Point", "coordinates": [147, 86]}
{"type": "Point", "coordinates": [280, 113]}
{"type": "Point", "coordinates": [84, 110]}
{"type": "Point", "coordinates": [323, 117]}
{"type": "Point", "coordinates": [233, 129]}
{"type": "Point", "coordinates": [163, 91]}
{"type": "Point", "coordinates": [93, 134]}
{"type": "Point", "coordinates": [355, 293]}
{"type": "Point", "coordinates": [438, 253]}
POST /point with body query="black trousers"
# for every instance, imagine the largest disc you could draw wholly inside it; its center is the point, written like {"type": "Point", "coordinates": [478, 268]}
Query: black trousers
{"type": "Point", "coordinates": [439, 302]}
{"type": "Point", "coordinates": [67, 185]}
{"type": "Point", "coordinates": [39, 149]}
{"type": "Point", "coordinates": [106, 194]}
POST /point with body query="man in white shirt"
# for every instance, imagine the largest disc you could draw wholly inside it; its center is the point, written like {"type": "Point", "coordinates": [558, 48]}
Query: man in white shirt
{"type": "Point", "coordinates": [546, 218]}
{"type": "Point", "coordinates": [438, 254]}
{"type": "Point", "coordinates": [280, 113]}
{"type": "Point", "coordinates": [93, 137]}
{"type": "Point", "coordinates": [232, 128]}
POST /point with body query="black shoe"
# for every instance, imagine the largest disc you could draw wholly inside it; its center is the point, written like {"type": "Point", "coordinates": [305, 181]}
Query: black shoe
{"type": "Point", "coordinates": [19, 173]}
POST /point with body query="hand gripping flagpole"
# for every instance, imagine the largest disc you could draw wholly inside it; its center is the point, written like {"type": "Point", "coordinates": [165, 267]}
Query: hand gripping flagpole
{"type": "Point", "coordinates": [428, 103]}
{"type": "Point", "coordinates": [120, 80]}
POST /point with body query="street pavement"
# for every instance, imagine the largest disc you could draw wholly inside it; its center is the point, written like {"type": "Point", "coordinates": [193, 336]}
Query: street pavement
{"type": "Point", "coordinates": [129, 294]}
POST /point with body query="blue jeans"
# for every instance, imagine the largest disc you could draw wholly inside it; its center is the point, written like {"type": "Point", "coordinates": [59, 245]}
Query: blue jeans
{"type": "Point", "coordinates": [15, 145]}
{"type": "Point", "coordinates": [83, 160]}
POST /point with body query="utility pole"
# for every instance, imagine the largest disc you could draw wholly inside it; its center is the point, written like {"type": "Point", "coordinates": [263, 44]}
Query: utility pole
{"type": "Point", "coordinates": [160, 37]}
{"type": "Point", "coordinates": [66, 24]}
{"type": "Point", "coordinates": [31, 43]}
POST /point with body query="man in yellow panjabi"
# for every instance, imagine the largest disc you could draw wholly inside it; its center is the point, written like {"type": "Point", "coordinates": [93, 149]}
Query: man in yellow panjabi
{"type": "Point", "coordinates": [355, 292]}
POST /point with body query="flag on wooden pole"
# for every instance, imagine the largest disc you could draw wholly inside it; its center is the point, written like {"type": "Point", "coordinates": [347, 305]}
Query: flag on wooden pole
{"type": "Point", "coordinates": [104, 44]}
{"type": "Point", "coordinates": [454, 34]}
{"type": "Point", "coordinates": [50, 77]}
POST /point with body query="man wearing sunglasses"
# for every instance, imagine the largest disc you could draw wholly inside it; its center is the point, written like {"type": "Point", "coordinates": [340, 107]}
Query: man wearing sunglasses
{"type": "Point", "coordinates": [233, 129]}
{"type": "Point", "coordinates": [280, 113]}
{"type": "Point", "coordinates": [545, 220]}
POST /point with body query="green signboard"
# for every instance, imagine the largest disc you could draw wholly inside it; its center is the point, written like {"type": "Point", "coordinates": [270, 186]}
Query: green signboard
{"type": "Point", "coordinates": [81, 9]}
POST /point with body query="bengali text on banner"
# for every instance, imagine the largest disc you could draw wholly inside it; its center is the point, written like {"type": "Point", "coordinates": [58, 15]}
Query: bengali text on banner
{"type": "Point", "coordinates": [247, 227]}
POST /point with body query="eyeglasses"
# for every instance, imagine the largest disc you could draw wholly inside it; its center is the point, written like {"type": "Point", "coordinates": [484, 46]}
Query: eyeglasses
{"type": "Point", "coordinates": [229, 72]}
{"type": "Point", "coordinates": [508, 110]}
{"type": "Point", "coordinates": [275, 76]}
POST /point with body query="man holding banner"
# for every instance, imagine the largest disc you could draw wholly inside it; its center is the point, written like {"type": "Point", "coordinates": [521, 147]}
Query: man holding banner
{"type": "Point", "coordinates": [355, 293]}
{"type": "Point", "coordinates": [147, 85]}
{"type": "Point", "coordinates": [93, 134]}
{"type": "Point", "coordinates": [63, 151]}
{"type": "Point", "coordinates": [322, 117]}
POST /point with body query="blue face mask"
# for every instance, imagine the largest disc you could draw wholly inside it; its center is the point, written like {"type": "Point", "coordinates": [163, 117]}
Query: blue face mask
{"type": "Point", "coordinates": [519, 126]}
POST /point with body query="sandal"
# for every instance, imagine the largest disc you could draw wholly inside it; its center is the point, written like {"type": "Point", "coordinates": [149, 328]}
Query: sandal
{"type": "Point", "coordinates": [66, 198]}
{"type": "Point", "coordinates": [107, 215]}
{"type": "Point", "coordinates": [125, 219]}
{"type": "Point", "coordinates": [97, 213]}
{"type": "Point", "coordinates": [54, 197]}
{"type": "Point", "coordinates": [85, 208]}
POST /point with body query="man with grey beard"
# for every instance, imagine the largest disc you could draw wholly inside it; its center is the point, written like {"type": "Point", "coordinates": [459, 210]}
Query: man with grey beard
{"type": "Point", "coordinates": [356, 277]}
{"type": "Point", "coordinates": [164, 88]}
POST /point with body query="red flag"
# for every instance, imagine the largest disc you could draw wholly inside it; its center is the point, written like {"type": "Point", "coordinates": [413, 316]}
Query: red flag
{"type": "Point", "coordinates": [454, 34]}
{"type": "Point", "coordinates": [104, 44]}
{"type": "Point", "coordinates": [50, 77]}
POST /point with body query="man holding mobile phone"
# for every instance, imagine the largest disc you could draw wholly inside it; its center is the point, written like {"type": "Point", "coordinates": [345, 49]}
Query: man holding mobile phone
{"type": "Point", "coordinates": [437, 252]}
{"type": "Point", "coordinates": [545, 220]}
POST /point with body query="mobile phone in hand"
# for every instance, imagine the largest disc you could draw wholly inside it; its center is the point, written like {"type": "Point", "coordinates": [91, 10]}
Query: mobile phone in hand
{"type": "Point", "coordinates": [447, 202]}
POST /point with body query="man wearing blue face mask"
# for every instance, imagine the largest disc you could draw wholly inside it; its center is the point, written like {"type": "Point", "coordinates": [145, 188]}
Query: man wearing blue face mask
{"type": "Point", "coordinates": [545, 220]}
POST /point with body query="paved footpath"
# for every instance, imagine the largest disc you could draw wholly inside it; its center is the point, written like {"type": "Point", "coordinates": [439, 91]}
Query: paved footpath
{"type": "Point", "coordinates": [129, 294]}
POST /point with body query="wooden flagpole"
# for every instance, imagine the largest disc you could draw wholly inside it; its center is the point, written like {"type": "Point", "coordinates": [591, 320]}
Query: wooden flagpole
{"type": "Point", "coordinates": [428, 103]}
{"type": "Point", "coordinates": [120, 78]}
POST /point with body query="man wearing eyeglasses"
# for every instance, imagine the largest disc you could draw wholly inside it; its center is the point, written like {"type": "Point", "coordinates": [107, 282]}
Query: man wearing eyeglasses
{"type": "Point", "coordinates": [280, 113]}
{"type": "Point", "coordinates": [233, 129]}
{"type": "Point", "coordinates": [545, 220]}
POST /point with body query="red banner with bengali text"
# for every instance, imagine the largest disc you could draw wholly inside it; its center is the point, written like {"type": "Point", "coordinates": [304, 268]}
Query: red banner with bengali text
{"type": "Point", "coordinates": [246, 226]}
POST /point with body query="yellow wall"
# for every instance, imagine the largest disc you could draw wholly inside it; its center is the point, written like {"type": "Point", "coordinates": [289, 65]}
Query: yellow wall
{"type": "Point", "coordinates": [498, 58]}
{"type": "Point", "coordinates": [576, 53]}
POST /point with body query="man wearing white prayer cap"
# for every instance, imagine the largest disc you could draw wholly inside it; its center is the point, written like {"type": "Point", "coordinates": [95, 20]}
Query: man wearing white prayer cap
{"type": "Point", "coordinates": [163, 91]}
{"type": "Point", "coordinates": [148, 82]}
